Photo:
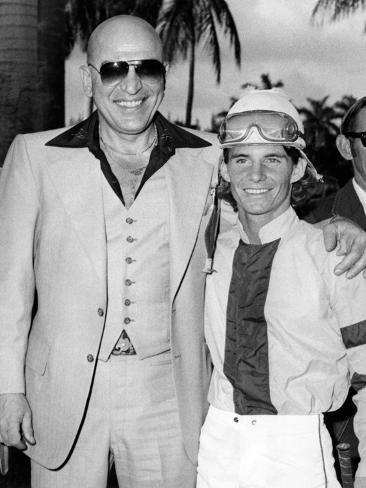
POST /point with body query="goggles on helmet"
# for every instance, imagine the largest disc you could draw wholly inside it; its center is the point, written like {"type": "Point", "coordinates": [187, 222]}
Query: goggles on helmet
{"type": "Point", "coordinates": [276, 127]}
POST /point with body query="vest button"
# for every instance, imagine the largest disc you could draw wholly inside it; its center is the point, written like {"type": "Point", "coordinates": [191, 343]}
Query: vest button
{"type": "Point", "coordinates": [127, 302]}
{"type": "Point", "coordinates": [129, 260]}
{"type": "Point", "coordinates": [90, 358]}
{"type": "Point", "coordinates": [129, 220]}
{"type": "Point", "coordinates": [127, 320]}
{"type": "Point", "coordinates": [130, 239]}
{"type": "Point", "coordinates": [100, 312]}
{"type": "Point", "coordinates": [128, 282]}
{"type": "Point", "coordinates": [236, 419]}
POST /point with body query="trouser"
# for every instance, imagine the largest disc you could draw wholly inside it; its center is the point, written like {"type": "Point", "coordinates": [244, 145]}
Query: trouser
{"type": "Point", "coordinates": [133, 417]}
{"type": "Point", "coordinates": [265, 451]}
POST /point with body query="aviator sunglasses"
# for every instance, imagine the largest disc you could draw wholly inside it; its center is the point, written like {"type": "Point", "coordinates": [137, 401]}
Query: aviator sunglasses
{"type": "Point", "coordinates": [360, 135]}
{"type": "Point", "coordinates": [146, 69]}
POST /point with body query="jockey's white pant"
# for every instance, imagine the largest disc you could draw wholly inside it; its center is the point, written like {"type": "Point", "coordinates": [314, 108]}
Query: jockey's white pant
{"type": "Point", "coordinates": [265, 451]}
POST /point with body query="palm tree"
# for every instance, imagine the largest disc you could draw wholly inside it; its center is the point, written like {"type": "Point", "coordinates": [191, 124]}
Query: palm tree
{"type": "Point", "coordinates": [336, 9]}
{"type": "Point", "coordinates": [319, 122]}
{"type": "Point", "coordinates": [31, 67]}
{"type": "Point", "coordinates": [342, 106]}
{"type": "Point", "coordinates": [265, 83]}
{"type": "Point", "coordinates": [83, 16]}
{"type": "Point", "coordinates": [184, 24]}
{"type": "Point", "coordinates": [321, 130]}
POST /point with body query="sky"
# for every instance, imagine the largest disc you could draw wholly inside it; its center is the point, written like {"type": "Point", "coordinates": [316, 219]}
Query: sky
{"type": "Point", "coordinates": [277, 37]}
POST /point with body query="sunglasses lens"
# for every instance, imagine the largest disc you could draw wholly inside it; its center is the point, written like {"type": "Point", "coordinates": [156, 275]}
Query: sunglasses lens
{"type": "Point", "coordinates": [146, 69]}
{"type": "Point", "coordinates": [112, 73]}
{"type": "Point", "coordinates": [359, 135]}
{"type": "Point", "coordinates": [150, 69]}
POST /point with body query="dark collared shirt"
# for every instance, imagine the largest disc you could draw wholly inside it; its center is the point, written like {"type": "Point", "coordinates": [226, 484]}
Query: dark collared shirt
{"type": "Point", "coordinates": [170, 138]}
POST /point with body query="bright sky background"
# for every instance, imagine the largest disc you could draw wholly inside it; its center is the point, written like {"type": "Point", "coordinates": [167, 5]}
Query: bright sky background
{"type": "Point", "coordinates": [278, 38]}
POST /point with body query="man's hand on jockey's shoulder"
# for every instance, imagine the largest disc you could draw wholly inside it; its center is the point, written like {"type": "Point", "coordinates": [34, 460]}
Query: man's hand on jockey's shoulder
{"type": "Point", "coordinates": [349, 240]}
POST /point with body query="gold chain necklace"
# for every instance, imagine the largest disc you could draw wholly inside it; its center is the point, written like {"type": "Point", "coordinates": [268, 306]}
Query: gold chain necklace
{"type": "Point", "coordinates": [110, 149]}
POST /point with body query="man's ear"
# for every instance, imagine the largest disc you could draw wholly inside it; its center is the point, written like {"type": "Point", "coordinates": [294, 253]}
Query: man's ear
{"type": "Point", "coordinates": [86, 80]}
{"type": "Point", "coordinates": [344, 146]}
{"type": "Point", "coordinates": [298, 170]}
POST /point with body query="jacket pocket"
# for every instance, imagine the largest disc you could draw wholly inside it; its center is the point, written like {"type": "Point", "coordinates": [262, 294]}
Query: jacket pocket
{"type": "Point", "coordinates": [37, 354]}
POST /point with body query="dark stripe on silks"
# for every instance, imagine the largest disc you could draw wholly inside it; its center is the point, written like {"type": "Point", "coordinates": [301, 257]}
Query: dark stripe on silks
{"type": "Point", "coordinates": [246, 348]}
{"type": "Point", "coordinates": [354, 335]}
{"type": "Point", "coordinates": [358, 381]}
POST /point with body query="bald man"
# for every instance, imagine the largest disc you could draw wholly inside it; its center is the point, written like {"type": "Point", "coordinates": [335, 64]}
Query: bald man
{"type": "Point", "coordinates": [97, 221]}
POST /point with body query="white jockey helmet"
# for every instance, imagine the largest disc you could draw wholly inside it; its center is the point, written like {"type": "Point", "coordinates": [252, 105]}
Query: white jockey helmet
{"type": "Point", "coordinates": [265, 117]}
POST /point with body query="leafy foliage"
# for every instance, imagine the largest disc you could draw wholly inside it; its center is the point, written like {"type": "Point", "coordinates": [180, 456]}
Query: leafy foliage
{"type": "Point", "coordinates": [265, 83]}
{"type": "Point", "coordinates": [82, 16]}
{"type": "Point", "coordinates": [183, 24]}
{"type": "Point", "coordinates": [319, 122]}
{"type": "Point", "coordinates": [186, 22]}
{"type": "Point", "coordinates": [337, 9]}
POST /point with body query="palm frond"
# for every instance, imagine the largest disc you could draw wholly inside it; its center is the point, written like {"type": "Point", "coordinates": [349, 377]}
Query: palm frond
{"type": "Point", "coordinates": [82, 18]}
{"type": "Point", "coordinates": [148, 10]}
{"type": "Point", "coordinates": [336, 9]}
{"type": "Point", "coordinates": [176, 28]}
{"type": "Point", "coordinates": [211, 42]}
{"type": "Point", "coordinates": [226, 20]}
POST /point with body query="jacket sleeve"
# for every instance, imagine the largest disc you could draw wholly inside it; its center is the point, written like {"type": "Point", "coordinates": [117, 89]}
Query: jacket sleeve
{"type": "Point", "coordinates": [348, 301]}
{"type": "Point", "coordinates": [18, 216]}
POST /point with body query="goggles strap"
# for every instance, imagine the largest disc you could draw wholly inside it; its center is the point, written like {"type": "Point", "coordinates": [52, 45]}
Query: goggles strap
{"type": "Point", "coordinates": [211, 233]}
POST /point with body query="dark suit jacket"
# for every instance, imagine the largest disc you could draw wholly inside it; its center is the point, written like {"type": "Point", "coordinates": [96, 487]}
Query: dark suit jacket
{"type": "Point", "coordinates": [346, 203]}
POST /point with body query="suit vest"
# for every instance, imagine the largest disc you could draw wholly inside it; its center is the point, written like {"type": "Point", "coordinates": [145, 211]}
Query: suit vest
{"type": "Point", "coordinates": [138, 269]}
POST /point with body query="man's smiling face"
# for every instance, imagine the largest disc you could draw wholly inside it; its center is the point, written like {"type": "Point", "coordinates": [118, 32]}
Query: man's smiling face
{"type": "Point", "coordinates": [128, 106]}
{"type": "Point", "coordinates": [260, 177]}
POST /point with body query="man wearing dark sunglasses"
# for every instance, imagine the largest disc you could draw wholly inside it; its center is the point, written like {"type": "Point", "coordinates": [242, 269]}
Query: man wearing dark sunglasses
{"type": "Point", "coordinates": [105, 223]}
{"type": "Point", "coordinates": [111, 226]}
{"type": "Point", "coordinates": [350, 202]}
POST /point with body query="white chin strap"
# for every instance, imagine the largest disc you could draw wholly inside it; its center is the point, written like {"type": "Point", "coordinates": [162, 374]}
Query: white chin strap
{"type": "Point", "coordinates": [311, 168]}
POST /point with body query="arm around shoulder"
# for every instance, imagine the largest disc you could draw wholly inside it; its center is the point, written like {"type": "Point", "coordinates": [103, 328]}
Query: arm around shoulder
{"type": "Point", "coordinates": [347, 239]}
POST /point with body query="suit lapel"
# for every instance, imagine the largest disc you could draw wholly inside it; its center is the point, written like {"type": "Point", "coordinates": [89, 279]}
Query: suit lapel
{"type": "Point", "coordinates": [76, 176]}
{"type": "Point", "coordinates": [189, 173]}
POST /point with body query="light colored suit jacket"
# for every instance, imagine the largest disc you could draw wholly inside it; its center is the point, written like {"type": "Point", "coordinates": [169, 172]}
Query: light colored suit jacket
{"type": "Point", "coordinates": [52, 241]}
